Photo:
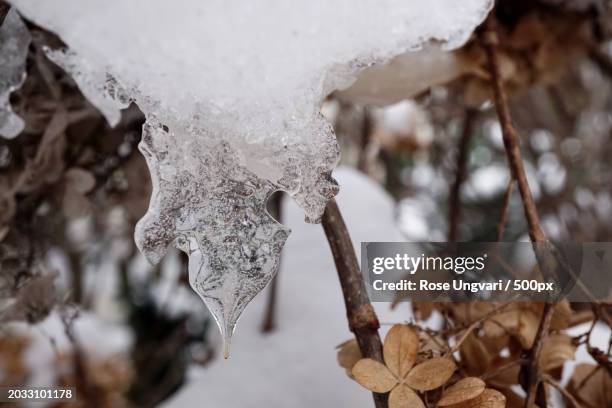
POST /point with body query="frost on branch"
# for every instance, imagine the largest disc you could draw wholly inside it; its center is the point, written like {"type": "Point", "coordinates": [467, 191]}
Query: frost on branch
{"type": "Point", "coordinates": [231, 91]}
{"type": "Point", "coordinates": [14, 43]}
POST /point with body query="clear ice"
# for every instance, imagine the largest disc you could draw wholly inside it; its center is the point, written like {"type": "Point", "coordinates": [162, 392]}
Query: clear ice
{"type": "Point", "coordinates": [14, 43]}
{"type": "Point", "coordinates": [231, 90]}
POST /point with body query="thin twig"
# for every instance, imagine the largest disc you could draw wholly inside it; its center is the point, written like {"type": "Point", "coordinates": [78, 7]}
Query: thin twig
{"type": "Point", "coordinates": [503, 218]}
{"type": "Point", "coordinates": [533, 369]}
{"type": "Point", "coordinates": [460, 174]}
{"type": "Point", "coordinates": [536, 234]}
{"type": "Point", "coordinates": [549, 380]}
{"type": "Point", "coordinates": [366, 131]}
{"type": "Point", "coordinates": [492, 374]}
{"type": "Point", "coordinates": [477, 323]}
{"type": "Point", "coordinates": [510, 136]}
{"type": "Point", "coordinates": [362, 318]}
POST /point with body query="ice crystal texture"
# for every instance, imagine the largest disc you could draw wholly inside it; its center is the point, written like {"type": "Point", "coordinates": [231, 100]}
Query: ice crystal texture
{"type": "Point", "coordinates": [231, 90]}
{"type": "Point", "coordinates": [14, 43]}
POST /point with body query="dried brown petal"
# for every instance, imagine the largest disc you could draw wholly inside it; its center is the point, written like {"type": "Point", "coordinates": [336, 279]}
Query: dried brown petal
{"type": "Point", "coordinates": [562, 316]}
{"type": "Point", "coordinates": [502, 323]}
{"type": "Point", "coordinates": [431, 345]}
{"type": "Point", "coordinates": [529, 322]}
{"type": "Point", "coordinates": [403, 397]}
{"type": "Point", "coordinates": [373, 375]}
{"type": "Point", "coordinates": [475, 356]}
{"type": "Point", "coordinates": [466, 389]}
{"type": "Point", "coordinates": [431, 374]}
{"type": "Point", "coordinates": [556, 350]}
{"type": "Point", "coordinates": [593, 389]}
{"type": "Point", "coordinates": [489, 398]}
{"type": "Point", "coordinates": [400, 349]}
{"type": "Point", "coordinates": [506, 377]}
{"type": "Point", "coordinates": [348, 355]}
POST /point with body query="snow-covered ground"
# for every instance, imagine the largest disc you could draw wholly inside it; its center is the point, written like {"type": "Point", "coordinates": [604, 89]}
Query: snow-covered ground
{"type": "Point", "coordinates": [295, 366]}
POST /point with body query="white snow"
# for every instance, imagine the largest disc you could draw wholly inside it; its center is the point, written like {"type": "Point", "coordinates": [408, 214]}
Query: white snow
{"type": "Point", "coordinates": [295, 366]}
{"type": "Point", "coordinates": [232, 91]}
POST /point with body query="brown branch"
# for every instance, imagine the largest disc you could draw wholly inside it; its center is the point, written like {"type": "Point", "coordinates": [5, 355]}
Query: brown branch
{"type": "Point", "coordinates": [460, 174]}
{"type": "Point", "coordinates": [536, 234]}
{"type": "Point", "coordinates": [510, 136]}
{"type": "Point", "coordinates": [491, 374]}
{"type": "Point", "coordinates": [503, 218]}
{"type": "Point", "coordinates": [362, 318]}
{"type": "Point", "coordinates": [551, 381]}
{"type": "Point", "coordinates": [532, 370]}
{"type": "Point", "coordinates": [364, 142]}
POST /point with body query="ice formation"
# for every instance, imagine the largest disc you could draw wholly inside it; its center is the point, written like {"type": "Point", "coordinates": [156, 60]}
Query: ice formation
{"type": "Point", "coordinates": [14, 43]}
{"type": "Point", "coordinates": [231, 90]}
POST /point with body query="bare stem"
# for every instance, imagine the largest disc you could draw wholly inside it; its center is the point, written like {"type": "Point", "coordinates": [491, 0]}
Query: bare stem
{"type": "Point", "coordinates": [460, 174]}
{"type": "Point", "coordinates": [503, 218]}
{"type": "Point", "coordinates": [362, 318]}
{"type": "Point", "coordinates": [570, 398]}
{"type": "Point", "coordinates": [511, 142]}
{"type": "Point", "coordinates": [510, 136]}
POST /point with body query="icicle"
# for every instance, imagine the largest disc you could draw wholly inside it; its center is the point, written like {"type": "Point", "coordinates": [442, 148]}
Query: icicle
{"type": "Point", "coordinates": [213, 208]}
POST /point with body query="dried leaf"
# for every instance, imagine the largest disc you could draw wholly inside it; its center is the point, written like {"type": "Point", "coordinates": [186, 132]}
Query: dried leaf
{"type": "Point", "coordinates": [400, 349]}
{"type": "Point", "coordinates": [502, 323]}
{"type": "Point", "coordinates": [562, 315]}
{"type": "Point", "coordinates": [348, 355]}
{"type": "Point", "coordinates": [431, 374]}
{"type": "Point", "coordinates": [432, 345]}
{"type": "Point", "coordinates": [403, 397]}
{"type": "Point", "coordinates": [529, 321]}
{"type": "Point", "coordinates": [374, 376]}
{"type": "Point", "coordinates": [475, 356]}
{"type": "Point", "coordinates": [556, 350]}
{"type": "Point", "coordinates": [464, 390]}
{"type": "Point", "coordinates": [512, 399]}
{"type": "Point", "coordinates": [489, 398]}
{"type": "Point", "coordinates": [593, 389]}
{"type": "Point", "coordinates": [506, 377]}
